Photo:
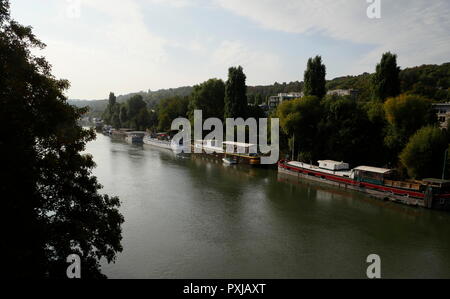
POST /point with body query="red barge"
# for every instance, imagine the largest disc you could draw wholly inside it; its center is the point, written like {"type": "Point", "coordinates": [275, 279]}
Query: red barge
{"type": "Point", "coordinates": [377, 182]}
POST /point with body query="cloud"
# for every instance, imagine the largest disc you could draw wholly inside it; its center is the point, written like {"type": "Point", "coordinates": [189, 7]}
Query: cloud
{"type": "Point", "coordinates": [107, 48]}
{"type": "Point", "coordinates": [258, 65]}
{"type": "Point", "coordinates": [416, 30]}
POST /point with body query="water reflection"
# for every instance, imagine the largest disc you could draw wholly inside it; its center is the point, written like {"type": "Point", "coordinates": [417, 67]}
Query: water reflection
{"type": "Point", "coordinates": [195, 218]}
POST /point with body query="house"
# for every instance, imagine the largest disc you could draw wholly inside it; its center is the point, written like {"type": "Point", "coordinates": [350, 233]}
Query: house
{"type": "Point", "coordinates": [443, 113]}
{"type": "Point", "coordinates": [343, 92]}
{"type": "Point", "coordinates": [274, 101]}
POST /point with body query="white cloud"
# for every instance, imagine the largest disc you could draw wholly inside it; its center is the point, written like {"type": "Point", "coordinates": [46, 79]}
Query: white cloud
{"type": "Point", "coordinates": [116, 53]}
{"type": "Point", "coordinates": [258, 65]}
{"type": "Point", "coordinates": [418, 31]}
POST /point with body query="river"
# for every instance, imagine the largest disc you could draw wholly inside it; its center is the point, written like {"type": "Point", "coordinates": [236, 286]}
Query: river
{"type": "Point", "coordinates": [191, 218]}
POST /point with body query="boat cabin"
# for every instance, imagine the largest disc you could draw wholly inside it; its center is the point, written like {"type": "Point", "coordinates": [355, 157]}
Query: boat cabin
{"type": "Point", "coordinates": [240, 147]}
{"type": "Point", "coordinates": [333, 165]}
{"type": "Point", "coordinates": [373, 175]}
{"type": "Point", "coordinates": [437, 183]}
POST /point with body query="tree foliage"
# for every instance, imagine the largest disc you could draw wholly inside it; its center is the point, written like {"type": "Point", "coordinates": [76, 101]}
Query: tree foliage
{"type": "Point", "coordinates": [424, 154]}
{"type": "Point", "coordinates": [235, 94]}
{"type": "Point", "coordinates": [386, 80]}
{"type": "Point", "coordinates": [208, 97]}
{"type": "Point", "coordinates": [405, 115]}
{"type": "Point", "coordinates": [346, 133]}
{"type": "Point", "coordinates": [170, 109]}
{"type": "Point", "coordinates": [314, 78]}
{"type": "Point", "coordinates": [50, 195]}
{"type": "Point", "coordinates": [299, 120]}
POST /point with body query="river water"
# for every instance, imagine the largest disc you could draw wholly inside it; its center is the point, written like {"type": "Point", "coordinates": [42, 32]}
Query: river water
{"type": "Point", "coordinates": [191, 218]}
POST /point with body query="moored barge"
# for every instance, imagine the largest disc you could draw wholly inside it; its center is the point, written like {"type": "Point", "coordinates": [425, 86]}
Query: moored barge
{"type": "Point", "coordinates": [377, 182]}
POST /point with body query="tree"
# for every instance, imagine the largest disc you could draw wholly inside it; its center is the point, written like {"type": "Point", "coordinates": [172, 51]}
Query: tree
{"type": "Point", "coordinates": [115, 118]}
{"type": "Point", "coordinates": [208, 97]}
{"type": "Point", "coordinates": [314, 78]}
{"type": "Point", "coordinates": [235, 94]}
{"type": "Point", "coordinates": [299, 119]}
{"type": "Point", "coordinates": [170, 109]}
{"type": "Point", "coordinates": [110, 109]}
{"type": "Point", "coordinates": [346, 133]}
{"type": "Point", "coordinates": [123, 116]}
{"type": "Point", "coordinates": [386, 80]}
{"type": "Point", "coordinates": [405, 115]}
{"type": "Point", "coordinates": [143, 119]}
{"type": "Point", "coordinates": [135, 105]}
{"type": "Point", "coordinates": [424, 154]}
{"type": "Point", "coordinates": [50, 195]}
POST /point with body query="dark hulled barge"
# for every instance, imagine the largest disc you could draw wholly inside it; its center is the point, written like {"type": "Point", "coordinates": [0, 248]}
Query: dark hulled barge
{"type": "Point", "coordinates": [377, 182]}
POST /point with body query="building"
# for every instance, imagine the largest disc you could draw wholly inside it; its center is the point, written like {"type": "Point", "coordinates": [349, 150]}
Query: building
{"type": "Point", "coordinates": [443, 113]}
{"type": "Point", "coordinates": [274, 101]}
{"type": "Point", "coordinates": [343, 92]}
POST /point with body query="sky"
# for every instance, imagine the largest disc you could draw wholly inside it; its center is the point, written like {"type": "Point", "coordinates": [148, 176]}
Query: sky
{"type": "Point", "coordinates": [127, 46]}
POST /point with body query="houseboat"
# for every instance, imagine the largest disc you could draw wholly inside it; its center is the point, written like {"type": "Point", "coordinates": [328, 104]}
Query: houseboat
{"type": "Point", "coordinates": [134, 137]}
{"type": "Point", "coordinates": [107, 130]}
{"type": "Point", "coordinates": [229, 152]}
{"type": "Point", "coordinates": [163, 140]}
{"type": "Point", "coordinates": [377, 182]}
{"type": "Point", "coordinates": [120, 133]}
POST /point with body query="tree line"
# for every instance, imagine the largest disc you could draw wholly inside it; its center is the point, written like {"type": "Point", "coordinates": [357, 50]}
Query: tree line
{"type": "Point", "coordinates": [385, 128]}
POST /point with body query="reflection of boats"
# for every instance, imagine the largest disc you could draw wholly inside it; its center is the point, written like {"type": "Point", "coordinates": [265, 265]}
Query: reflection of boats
{"type": "Point", "coordinates": [134, 137]}
{"type": "Point", "coordinates": [378, 182]}
{"type": "Point", "coordinates": [229, 161]}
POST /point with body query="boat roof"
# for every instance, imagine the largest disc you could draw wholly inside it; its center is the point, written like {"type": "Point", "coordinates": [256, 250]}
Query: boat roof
{"type": "Point", "coordinates": [373, 169]}
{"type": "Point", "coordinates": [241, 144]}
{"type": "Point", "coordinates": [436, 181]}
{"type": "Point", "coordinates": [332, 162]}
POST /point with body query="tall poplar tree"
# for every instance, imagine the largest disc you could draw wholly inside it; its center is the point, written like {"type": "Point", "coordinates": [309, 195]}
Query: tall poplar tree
{"type": "Point", "coordinates": [235, 94]}
{"type": "Point", "coordinates": [386, 80]}
{"type": "Point", "coordinates": [314, 78]}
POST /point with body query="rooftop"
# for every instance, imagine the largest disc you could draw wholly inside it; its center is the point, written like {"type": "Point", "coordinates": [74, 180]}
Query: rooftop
{"type": "Point", "coordinates": [373, 169]}
{"type": "Point", "coordinates": [240, 144]}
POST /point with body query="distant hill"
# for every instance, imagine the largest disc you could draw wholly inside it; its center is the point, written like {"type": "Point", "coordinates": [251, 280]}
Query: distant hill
{"type": "Point", "coordinates": [431, 81]}
{"type": "Point", "coordinates": [151, 97]}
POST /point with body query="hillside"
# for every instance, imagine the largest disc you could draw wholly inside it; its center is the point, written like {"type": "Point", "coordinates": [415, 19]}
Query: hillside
{"type": "Point", "coordinates": [431, 81]}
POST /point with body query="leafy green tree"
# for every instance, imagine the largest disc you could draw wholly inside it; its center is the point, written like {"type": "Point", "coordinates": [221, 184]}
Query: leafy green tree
{"type": "Point", "coordinates": [208, 97]}
{"type": "Point", "coordinates": [235, 94]}
{"type": "Point", "coordinates": [51, 197]}
{"type": "Point", "coordinates": [299, 120]}
{"type": "Point", "coordinates": [386, 80]}
{"type": "Point", "coordinates": [405, 114]}
{"type": "Point", "coordinates": [135, 105]}
{"type": "Point", "coordinates": [143, 119]}
{"type": "Point", "coordinates": [424, 154]}
{"type": "Point", "coordinates": [346, 133]}
{"type": "Point", "coordinates": [115, 118]}
{"type": "Point", "coordinates": [314, 78]}
{"type": "Point", "coordinates": [123, 116]}
{"type": "Point", "coordinates": [170, 109]}
{"type": "Point", "coordinates": [109, 111]}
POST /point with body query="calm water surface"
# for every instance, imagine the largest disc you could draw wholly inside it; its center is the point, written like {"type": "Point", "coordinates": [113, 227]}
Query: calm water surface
{"type": "Point", "coordinates": [190, 218]}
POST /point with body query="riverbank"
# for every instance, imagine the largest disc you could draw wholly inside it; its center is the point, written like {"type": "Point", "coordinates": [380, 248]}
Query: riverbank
{"type": "Point", "coordinates": [187, 218]}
